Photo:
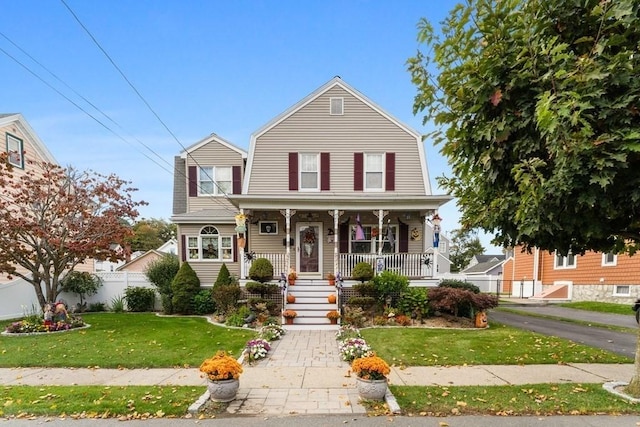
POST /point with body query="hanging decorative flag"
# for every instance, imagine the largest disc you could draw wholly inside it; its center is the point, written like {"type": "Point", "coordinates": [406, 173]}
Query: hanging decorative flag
{"type": "Point", "coordinates": [390, 237]}
{"type": "Point", "coordinates": [359, 229]}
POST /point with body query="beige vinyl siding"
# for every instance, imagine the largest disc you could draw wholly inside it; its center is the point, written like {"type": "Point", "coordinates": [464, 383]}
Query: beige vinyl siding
{"type": "Point", "coordinates": [313, 129]}
{"type": "Point", "coordinates": [207, 271]}
{"type": "Point", "coordinates": [211, 154]}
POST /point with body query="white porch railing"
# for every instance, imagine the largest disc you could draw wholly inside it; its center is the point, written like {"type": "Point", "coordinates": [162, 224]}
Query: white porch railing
{"type": "Point", "coordinates": [278, 260]}
{"type": "Point", "coordinates": [412, 265]}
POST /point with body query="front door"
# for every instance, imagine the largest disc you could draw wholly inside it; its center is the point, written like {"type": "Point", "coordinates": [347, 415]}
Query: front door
{"type": "Point", "coordinates": [309, 249]}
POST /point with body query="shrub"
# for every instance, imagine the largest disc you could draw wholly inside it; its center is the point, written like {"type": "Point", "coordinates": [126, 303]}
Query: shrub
{"type": "Point", "coordinates": [362, 272]}
{"type": "Point", "coordinates": [366, 289]}
{"type": "Point", "coordinates": [261, 270]}
{"type": "Point", "coordinates": [414, 302]}
{"type": "Point", "coordinates": [354, 316]}
{"type": "Point", "coordinates": [459, 284]}
{"type": "Point", "coordinates": [224, 277]}
{"type": "Point", "coordinates": [460, 302]}
{"type": "Point", "coordinates": [236, 318]}
{"type": "Point", "coordinates": [97, 306]}
{"type": "Point", "coordinates": [139, 299]}
{"type": "Point", "coordinates": [270, 305]}
{"type": "Point", "coordinates": [203, 302]}
{"type": "Point", "coordinates": [161, 273]}
{"type": "Point", "coordinates": [226, 297]}
{"type": "Point", "coordinates": [365, 303]}
{"type": "Point", "coordinates": [389, 285]}
{"type": "Point", "coordinates": [263, 289]}
{"type": "Point", "coordinates": [81, 283]}
{"type": "Point", "coordinates": [184, 286]}
{"type": "Point", "coordinates": [117, 304]}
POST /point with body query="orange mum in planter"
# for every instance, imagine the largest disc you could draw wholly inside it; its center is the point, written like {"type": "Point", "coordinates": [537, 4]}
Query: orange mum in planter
{"type": "Point", "coordinates": [221, 367]}
{"type": "Point", "coordinates": [370, 368]}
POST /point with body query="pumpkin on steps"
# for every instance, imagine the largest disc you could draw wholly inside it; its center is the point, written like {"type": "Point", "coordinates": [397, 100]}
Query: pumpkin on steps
{"type": "Point", "coordinates": [291, 298]}
{"type": "Point", "coordinates": [332, 298]}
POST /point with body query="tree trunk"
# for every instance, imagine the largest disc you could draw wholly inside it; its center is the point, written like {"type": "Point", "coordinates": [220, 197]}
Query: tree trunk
{"type": "Point", "coordinates": [633, 388]}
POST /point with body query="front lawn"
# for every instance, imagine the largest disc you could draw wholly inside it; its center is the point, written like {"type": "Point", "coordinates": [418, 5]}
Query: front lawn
{"type": "Point", "coordinates": [531, 399]}
{"type": "Point", "coordinates": [498, 345]}
{"type": "Point", "coordinates": [602, 307]}
{"type": "Point", "coordinates": [128, 340]}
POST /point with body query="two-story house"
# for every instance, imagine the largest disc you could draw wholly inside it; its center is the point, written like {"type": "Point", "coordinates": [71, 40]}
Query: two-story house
{"type": "Point", "coordinates": [332, 181]}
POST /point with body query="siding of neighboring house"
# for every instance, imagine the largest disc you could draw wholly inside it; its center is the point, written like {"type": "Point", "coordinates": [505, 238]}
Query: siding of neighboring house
{"type": "Point", "coordinates": [589, 279]}
{"type": "Point", "coordinates": [313, 129]}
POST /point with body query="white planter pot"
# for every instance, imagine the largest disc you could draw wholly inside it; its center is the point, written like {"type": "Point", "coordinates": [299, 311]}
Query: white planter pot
{"type": "Point", "coordinates": [223, 391]}
{"type": "Point", "coordinates": [371, 389]}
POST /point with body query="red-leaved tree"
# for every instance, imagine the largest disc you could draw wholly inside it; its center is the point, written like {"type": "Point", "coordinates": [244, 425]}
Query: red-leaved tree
{"type": "Point", "coordinates": [53, 219]}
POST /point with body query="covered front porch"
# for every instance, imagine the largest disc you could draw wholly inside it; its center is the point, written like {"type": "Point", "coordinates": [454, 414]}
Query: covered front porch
{"type": "Point", "coordinates": [389, 232]}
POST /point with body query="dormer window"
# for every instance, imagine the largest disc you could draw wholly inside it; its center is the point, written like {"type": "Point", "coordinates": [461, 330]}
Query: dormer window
{"type": "Point", "coordinates": [336, 106]}
{"type": "Point", "coordinates": [15, 151]}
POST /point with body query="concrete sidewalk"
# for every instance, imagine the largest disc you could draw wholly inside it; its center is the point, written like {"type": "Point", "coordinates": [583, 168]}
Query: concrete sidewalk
{"type": "Point", "coordinates": [304, 374]}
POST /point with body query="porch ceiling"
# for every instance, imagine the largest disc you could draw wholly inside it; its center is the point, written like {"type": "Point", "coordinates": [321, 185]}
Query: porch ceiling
{"type": "Point", "coordinates": [346, 202]}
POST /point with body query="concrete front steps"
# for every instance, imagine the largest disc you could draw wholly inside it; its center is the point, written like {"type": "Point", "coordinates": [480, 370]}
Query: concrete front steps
{"type": "Point", "coordinates": [311, 305]}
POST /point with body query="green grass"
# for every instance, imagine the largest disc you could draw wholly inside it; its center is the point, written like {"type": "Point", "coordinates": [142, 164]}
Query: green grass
{"type": "Point", "coordinates": [131, 402]}
{"type": "Point", "coordinates": [602, 307]}
{"type": "Point", "coordinates": [532, 399]}
{"type": "Point", "coordinates": [128, 340]}
{"type": "Point", "coordinates": [499, 345]}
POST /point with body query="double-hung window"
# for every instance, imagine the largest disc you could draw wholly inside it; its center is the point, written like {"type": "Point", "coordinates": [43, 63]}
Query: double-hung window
{"type": "Point", "coordinates": [568, 261]}
{"type": "Point", "coordinates": [215, 180]}
{"type": "Point", "coordinates": [609, 259]}
{"type": "Point", "coordinates": [210, 245]}
{"type": "Point", "coordinates": [15, 150]}
{"type": "Point", "coordinates": [370, 242]}
{"type": "Point", "coordinates": [374, 171]}
{"type": "Point", "coordinates": [309, 167]}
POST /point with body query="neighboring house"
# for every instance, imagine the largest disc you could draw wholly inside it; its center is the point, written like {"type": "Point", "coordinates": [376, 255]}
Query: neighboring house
{"type": "Point", "coordinates": [485, 264]}
{"type": "Point", "coordinates": [106, 265]}
{"type": "Point", "coordinates": [140, 262]}
{"type": "Point", "coordinates": [332, 181]}
{"type": "Point", "coordinates": [593, 276]}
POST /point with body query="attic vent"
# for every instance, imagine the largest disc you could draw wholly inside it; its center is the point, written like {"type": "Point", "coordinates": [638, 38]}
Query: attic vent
{"type": "Point", "coordinates": [337, 106]}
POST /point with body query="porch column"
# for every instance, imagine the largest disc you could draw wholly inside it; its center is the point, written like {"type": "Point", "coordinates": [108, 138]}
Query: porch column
{"type": "Point", "coordinates": [380, 214]}
{"type": "Point", "coordinates": [336, 214]}
{"type": "Point", "coordinates": [288, 213]}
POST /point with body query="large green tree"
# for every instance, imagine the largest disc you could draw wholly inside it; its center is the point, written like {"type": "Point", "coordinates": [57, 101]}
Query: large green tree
{"type": "Point", "coordinates": [465, 244]}
{"type": "Point", "coordinates": [151, 234]}
{"type": "Point", "coordinates": [537, 109]}
{"type": "Point", "coordinates": [537, 106]}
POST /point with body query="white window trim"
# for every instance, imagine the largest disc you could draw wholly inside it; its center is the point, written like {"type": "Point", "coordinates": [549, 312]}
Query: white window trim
{"type": "Point", "coordinates": [609, 264]}
{"type": "Point", "coordinates": [216, 189]}
{"type": "Point", "coordinates": [619, 294]}
{"type": "Point", "coordinates": [20, 163]}
{"type": "Point", "coordinates": [564, 265]}
{"type": "Point", "coordinates": [383, 180]}
{"type": "Point", "coordinates": [300, 172]}
{"type": "Point", "coordinates": [331, 111]}
{"type": "Point", "coordinates": [221, 247]}
{"type": "Point", "coordinates": [373, 241]}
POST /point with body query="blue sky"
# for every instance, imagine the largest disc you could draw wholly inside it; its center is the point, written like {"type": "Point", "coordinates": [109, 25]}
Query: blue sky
{"type": "Point", "coordinates": [203, 66]}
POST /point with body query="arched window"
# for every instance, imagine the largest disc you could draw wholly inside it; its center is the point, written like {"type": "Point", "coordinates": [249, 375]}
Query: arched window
{"type": "Point", "coordinates": [210, 245]}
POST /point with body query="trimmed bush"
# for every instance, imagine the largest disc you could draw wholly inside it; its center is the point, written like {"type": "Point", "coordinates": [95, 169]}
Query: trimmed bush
{"type": "Point", "coordinates": [459, 284]}
{"type": "Point", "coordinates": [261, 270]}
{"type": "Point", "coordinates": [263, 289]}
{"type": "Point", "coordinates": [389, 285]}
{"type": "Point", "coordinates": [203, 302]}
{"type": "Point", "coordinates": [139, 299]}
{"type": "Point", "coordinates": [185, 286]}
{"type": "Point", "coordinates": [81, 283]}
{"type": "Point", "coordinates": [363, 302]}
{"type": "Point", "coordinates": [460, 302]}
{"type": "Point", "coordinates": [226, 297]}
{"type": "Point", "coordinates": [161, 273]}
{"type": "Point", "coordinates": [366, 289]}
{"type": "Point", "coordinates": [362, 272]}
{"type": "Point", "coordinates": [224, 277]}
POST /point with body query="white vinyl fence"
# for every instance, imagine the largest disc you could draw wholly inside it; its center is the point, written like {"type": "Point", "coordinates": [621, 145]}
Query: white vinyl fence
{"type": "Point", "coordinates": [18, 297]}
